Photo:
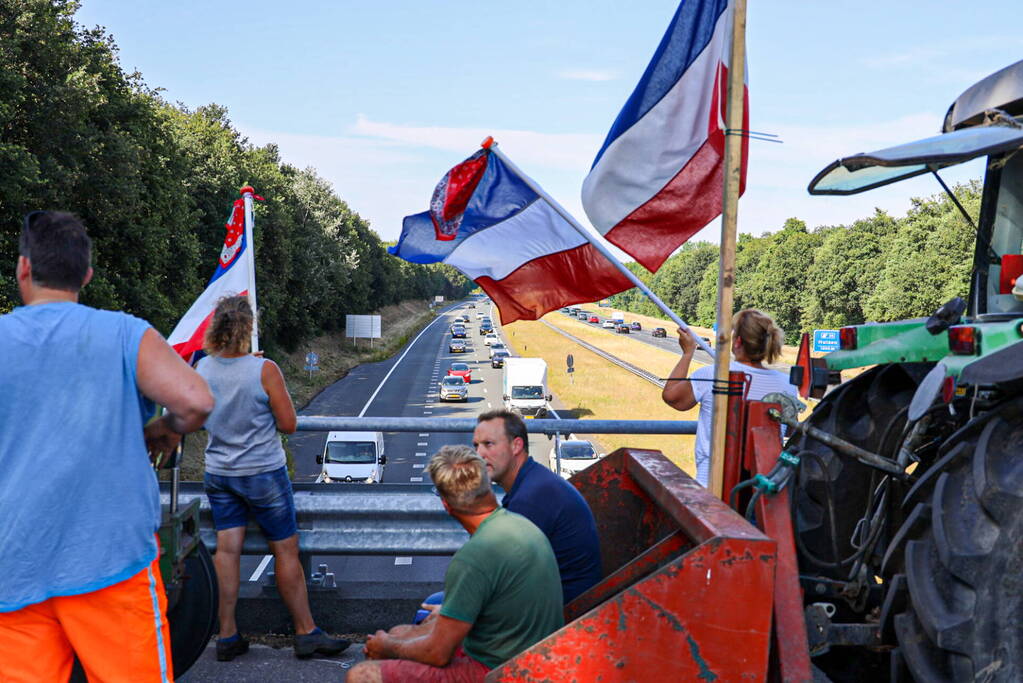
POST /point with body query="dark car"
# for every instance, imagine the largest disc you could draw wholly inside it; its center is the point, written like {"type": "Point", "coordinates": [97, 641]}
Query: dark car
{"type": "Point", "coordinates": [564, 310]}
{"type": "Point", "coordinates": [635, 326]}
{"type": "Point", "coordinates": [486, 328]}
{"type": "Point", "coordinates": [594, 319]}
{"type": "Point", "coordinates": [659, 332]}
{"type": "Point", "coordinates": [497, 360]}
{"type": "Point", "coordinates": [622, 328]}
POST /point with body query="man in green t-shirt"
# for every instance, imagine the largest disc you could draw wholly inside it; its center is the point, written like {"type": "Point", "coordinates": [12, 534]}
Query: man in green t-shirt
{"type": "Point", "coordinates": [502, 590]}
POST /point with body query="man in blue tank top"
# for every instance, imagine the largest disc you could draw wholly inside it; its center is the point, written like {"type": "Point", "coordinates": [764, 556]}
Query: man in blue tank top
{"type": "Point", "coordinates": [79, 501]}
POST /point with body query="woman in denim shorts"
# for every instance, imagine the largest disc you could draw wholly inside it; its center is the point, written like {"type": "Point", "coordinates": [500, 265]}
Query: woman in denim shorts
{"type": "Point", "coordinates": [247, 475]}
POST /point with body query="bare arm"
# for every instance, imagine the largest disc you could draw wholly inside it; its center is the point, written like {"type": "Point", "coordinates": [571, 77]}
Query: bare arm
{"type": "Point", "coordinates": [433, 645]}
{"type": "Point", "coordinates": [169, 381]}
{"type": "Point", "coordinates": [678, 393]}
{"type": "Point", "coordinates": [280, 400]}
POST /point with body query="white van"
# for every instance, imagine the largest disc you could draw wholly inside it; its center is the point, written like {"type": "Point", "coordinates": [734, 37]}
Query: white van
{"type": "Point", "coordinates": [353, 457]}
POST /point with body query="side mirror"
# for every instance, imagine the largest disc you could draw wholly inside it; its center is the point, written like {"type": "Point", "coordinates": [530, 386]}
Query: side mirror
{"type": "Point", "coordinates": [505, 397]}
{"type": "Point", "coordinates": [319, 459]}
{"type": "Point", "coordinates": [383, 459]}
{"type": "Point", "coordinates": [549, 397]}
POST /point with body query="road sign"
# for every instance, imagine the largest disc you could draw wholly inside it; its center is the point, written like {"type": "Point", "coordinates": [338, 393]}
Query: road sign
{"type": "Point", "coordinates": [570, 361]}
{"type": "Point", "coordinates": [439, 299]}
{"type": "Point", "coordinates": [825, 340]}
{"type": "Point", "coordinates": [312, 363]}
{"type": "Point", "coordinates": [362, 326]}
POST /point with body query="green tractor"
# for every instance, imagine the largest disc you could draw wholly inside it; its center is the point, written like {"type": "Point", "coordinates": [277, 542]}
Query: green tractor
{"type": "Point", "coordinates": [908, 509]}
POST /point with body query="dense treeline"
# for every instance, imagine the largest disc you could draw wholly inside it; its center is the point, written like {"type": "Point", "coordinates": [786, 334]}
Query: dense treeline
{"type": "Point", "coordinates": [878, 269]}
{"type": "Point", "coordinates": [154, 184]}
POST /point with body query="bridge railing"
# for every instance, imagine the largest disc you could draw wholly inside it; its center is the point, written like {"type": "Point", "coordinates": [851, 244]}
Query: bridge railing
{"type": "Point", "coordinates": [388, 519]}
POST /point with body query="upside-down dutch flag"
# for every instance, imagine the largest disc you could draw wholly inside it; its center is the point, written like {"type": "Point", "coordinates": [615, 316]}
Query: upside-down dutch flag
{"type": "Point", "coordinates": [658, 178]}
{"type": "Point", "coordinates": [230, 279]}
{"type": "Point", "coordinates": [488, 223]}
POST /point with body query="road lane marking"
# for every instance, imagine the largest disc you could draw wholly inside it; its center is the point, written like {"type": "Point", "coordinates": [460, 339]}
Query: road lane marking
{"type": "Point", "coordinates": [419, 466]}
{"type": "Point", "coordinates": [398, 561]}
{"type": "Point", "coordinates": [398, 362]}
{"type": "Point", "coordinates": [420, 454]}
{"type": "Point", "coordinates": [489, 404]}
{"type": "Point", "coordinates": [484, 390]}
{"type": "Point", "coordinates": [426, 434]}
{"type": "Point", "coordinates": [261, 568]}
{"type": "Point", "coordinates": [427, 412]}
{"type": "Point", "coordinates": [416, 479]}
{"type": "Point", "coordinates": [423, 443]}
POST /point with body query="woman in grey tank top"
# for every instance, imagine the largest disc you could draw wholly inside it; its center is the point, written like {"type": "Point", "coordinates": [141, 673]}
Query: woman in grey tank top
{"type": "Point", "coordinates": [246, 474]}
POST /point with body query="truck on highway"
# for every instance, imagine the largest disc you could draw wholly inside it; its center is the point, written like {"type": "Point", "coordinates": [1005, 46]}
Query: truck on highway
{"type": "Point", "coordinates": [352, 457]}
{"type": "Point", "coordinates": [618, 317]}
{"type": "Point", "coordinates": [525, 386]}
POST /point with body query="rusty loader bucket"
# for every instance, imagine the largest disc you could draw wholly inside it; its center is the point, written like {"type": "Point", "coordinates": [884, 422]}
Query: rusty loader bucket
{"type": "Point", "coordinates": [688, 587]}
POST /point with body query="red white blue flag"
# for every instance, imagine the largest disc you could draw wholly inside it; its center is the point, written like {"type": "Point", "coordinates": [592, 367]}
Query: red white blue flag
{"type": "Point", "coordinates": [486, 221]}
{"type": "Point", "coordinates": [658, 178]}
{"type": "Point", "coordinates": [231, 278]}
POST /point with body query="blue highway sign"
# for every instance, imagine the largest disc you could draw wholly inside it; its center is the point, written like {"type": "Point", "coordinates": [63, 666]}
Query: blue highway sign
{"type": "Point", "coordinates": [825, 341]}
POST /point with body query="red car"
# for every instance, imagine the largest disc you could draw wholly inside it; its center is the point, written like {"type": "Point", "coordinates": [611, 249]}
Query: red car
{"type": "Point", "coordinates": [594, 319]}
{"type": "Point", "coordinates": [461, 370]}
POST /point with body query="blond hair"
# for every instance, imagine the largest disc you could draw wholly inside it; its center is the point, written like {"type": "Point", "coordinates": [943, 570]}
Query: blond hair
{"type": "Point", "coordinates": [230, 329]}
{"type": "Point", "coordinates": [460, 476]}
{"type": "Point", "coordinates": [761, 338]}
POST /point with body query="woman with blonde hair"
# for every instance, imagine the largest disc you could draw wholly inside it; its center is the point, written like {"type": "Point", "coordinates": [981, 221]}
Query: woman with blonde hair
{"type": "Point", "coordinates": [755, 340]}
{"type": "Point", "coordinates": [247, 474]}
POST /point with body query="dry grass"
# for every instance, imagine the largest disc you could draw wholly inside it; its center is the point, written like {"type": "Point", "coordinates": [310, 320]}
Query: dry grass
{"type": "Point", "coordinates": [597, 389]}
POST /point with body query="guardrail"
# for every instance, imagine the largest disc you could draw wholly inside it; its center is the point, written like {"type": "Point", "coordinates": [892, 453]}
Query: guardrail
{"type": "Point", "coordinates": [350, 519]}
{"type": "Point", "coordinates": [634, 369]}
{"type": "Point", "coordinates": [317, 423]}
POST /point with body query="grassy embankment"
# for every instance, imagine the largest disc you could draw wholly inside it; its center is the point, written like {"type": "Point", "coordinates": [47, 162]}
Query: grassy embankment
{"type": "Point", "coordinates": [600, 390]}
{"type": "Point", "coordinates": [337, 356]}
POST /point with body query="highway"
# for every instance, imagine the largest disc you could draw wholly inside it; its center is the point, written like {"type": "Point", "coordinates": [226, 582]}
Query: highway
{"type": "Point", "coordinates": [402, 386]}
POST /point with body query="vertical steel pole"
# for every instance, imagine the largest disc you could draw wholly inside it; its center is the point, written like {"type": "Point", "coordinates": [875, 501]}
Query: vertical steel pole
{"type": "Point", "coordinates": [726, 264]}
{"type": "Point", "coordinates": [250, 244]}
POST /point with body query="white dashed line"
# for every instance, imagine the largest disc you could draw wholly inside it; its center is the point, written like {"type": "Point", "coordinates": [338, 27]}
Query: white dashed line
{"type": "Point", "coordinates": [426, 434]}
{"type": "Point", "coordinates": [416, 479]}
{"type": "Point", "coordinates": [484, 390]}
{"type": "Point", "coordinates": [423, 443]}
{"type": "Point", "coordinates": [398, 561]}
{"type": "Point", "coordinates": [489, 405]}
{"type": "Point", "coordinates": [419, 466]}
{"type": "Point", "coordinates": [420, 454]}
{"type": "Point", "coordinates": [261, 568]}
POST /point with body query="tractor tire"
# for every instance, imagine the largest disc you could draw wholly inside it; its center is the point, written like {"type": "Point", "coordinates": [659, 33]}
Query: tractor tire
{"type": "Point", "coordinates": [193, 619]}
{"type": "Point", "coordinates": [963, 618]}
{"type": "Point", "coordinates": [869, 411]}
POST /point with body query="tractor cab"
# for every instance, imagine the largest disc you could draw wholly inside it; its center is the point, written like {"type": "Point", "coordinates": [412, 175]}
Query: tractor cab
{"type": "Point", "coordinates": [985, 121]}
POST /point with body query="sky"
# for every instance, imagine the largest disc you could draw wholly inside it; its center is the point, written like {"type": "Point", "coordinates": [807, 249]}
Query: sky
{"type": "Point", "coordinates": [383, 98]}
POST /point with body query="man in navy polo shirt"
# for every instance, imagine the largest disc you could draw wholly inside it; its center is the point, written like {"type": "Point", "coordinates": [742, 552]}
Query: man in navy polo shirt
{"type": "Point", "coordinates": [541, 496]}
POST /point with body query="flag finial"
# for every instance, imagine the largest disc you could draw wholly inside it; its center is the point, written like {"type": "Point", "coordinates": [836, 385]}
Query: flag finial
{"type": "Point", "coordinates": [487, 143]}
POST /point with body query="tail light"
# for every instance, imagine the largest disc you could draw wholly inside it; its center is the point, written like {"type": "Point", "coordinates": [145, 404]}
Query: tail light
{"type": "Point", "coordinates": [847, 338]}
{"type": "Point", "coordinates": [964, 340]}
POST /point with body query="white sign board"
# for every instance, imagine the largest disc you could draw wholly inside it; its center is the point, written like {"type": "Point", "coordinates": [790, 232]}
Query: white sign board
{"type": "Point", "coordinates": [438, 299]}
{"type": "Point", "coordinates": [366, 326]}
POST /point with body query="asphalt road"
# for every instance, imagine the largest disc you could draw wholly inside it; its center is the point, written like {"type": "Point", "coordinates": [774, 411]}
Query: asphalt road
{"type": "Point", "coordinates": [669, 343]}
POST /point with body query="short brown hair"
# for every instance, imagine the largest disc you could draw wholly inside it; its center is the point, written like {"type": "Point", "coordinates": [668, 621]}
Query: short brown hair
{"type": "Point", "coordinates": [514, 425]}
{"type": "Point", "coordinates": [230, 329]}
{"type": "Point", "coordinates": [57, 246]}
{"type": "Point", "coordinates": [460, 476]}
{"type": "Point", "coordinates": [761, 338]}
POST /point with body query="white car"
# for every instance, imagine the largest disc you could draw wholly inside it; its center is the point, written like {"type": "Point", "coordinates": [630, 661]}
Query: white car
{"type": "Point", "coordinates": [608, 324]}
{"type": "Point", "coordinates": [453, 388]}
{"type": "Point", "coordinates": [480, 315]}
{"type": "Point", "coordinates": [491, 339]}
{"type": "Point", "coordinates": [497, 346]}
{"type": "Point", "coordinates": [576, 455]}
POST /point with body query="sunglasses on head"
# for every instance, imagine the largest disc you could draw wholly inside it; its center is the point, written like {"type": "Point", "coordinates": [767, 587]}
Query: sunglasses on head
{"type": "Point", "coordinates": [30, 218]}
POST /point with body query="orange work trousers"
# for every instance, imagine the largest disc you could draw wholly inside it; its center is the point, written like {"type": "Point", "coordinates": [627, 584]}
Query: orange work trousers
{"type": "Point", "coordinates": [119, 634]}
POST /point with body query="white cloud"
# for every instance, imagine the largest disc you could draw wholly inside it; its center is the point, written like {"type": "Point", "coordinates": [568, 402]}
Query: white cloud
{"type": "Point", "coordinates": [596, 75]}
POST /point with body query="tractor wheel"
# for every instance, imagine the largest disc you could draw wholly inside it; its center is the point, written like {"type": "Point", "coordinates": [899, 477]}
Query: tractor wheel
{"type": "Point", "coordinates": [963, 618]}
{"type": "Point", "coordinates": [869, 411]}
{"type": "Point", "coordinates": [193, 618]}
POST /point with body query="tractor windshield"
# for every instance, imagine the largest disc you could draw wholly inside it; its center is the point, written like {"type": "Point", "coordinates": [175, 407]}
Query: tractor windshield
{"type": "Point", "coordinates": [1006, 226]}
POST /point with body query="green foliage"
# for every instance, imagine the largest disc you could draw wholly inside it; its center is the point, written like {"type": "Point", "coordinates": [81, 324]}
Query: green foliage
{"type": "Point", "coordinates": [879, 268]}
{"type": "Point", "coordinates": [154, 184]}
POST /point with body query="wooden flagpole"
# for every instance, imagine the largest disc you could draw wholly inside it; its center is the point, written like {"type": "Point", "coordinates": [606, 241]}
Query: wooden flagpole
{"type": "Point", "coordinates": [250, 244]}
{"type": "Point", "coordinates": [726, 263]}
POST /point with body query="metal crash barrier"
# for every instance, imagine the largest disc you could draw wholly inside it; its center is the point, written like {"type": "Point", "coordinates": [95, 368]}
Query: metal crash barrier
{"type": "Point", "coordinates": [688, 587]}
